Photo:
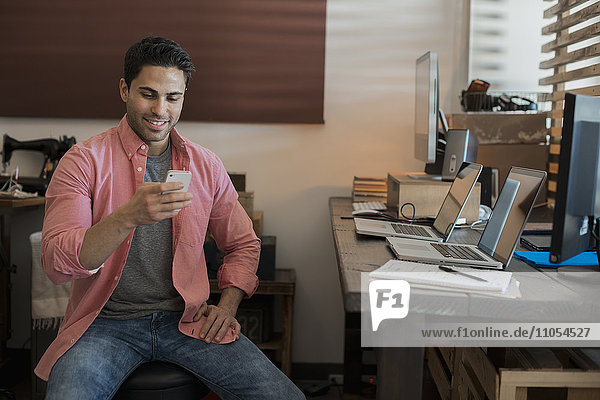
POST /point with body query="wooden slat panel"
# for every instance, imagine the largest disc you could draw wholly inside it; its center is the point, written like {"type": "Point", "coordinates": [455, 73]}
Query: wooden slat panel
{"type": "Point", "coordinates": [588, 91]}
{"type": "Point", "coordinates": [554, 140]}
{"type": "Point", "coordinates": [574, 56]}
{"type": "Point", "coordinates": [556, 131]}
{"type": "Point", "coordinates": [573, 19]}
{"type": "Point", "coordinates": [581, 73]}
{"type": "Point", "coordinates": [557, 114]}
{"type": "Point", "coordinates": [562, 6]}
{"type": "Point", "coordinates": [574, 37]}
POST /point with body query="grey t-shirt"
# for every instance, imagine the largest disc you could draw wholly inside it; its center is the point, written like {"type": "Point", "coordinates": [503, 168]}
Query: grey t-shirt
{"type": "Point", "coordinates": [146, 284]}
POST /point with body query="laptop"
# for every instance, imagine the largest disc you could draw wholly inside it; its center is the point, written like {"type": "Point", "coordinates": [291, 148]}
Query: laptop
{"type": "Point", "coordinates": [453, 204]}
{"type": "Point", "coordinates": [501, 234]}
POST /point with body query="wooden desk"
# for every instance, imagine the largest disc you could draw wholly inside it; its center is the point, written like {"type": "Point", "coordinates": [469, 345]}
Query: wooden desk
{"type": "Point", "coordinates": [8, 207]}
{"type": "Point", "coordinates": [284, 284]}
{"type": "Point", "coordinates": [356, 254]}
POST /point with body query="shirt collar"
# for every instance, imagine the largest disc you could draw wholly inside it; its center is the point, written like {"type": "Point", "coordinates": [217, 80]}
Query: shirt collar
{"type": "Point", "coordinates": [131, 141]}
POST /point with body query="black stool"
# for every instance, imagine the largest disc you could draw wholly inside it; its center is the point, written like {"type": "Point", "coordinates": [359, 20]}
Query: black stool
{"type": "Point", "coordinates": [159, 380]}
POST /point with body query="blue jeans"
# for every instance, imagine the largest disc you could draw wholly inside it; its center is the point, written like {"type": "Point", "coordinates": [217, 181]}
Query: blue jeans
{"type": "Point", "coordinates": [110, 350]}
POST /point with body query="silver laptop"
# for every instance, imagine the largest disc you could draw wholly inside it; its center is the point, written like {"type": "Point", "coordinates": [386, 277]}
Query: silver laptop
{"type": "Point", "coordinates": [501, 234]}
{"type": "Point", "coordinates": [453, 204]}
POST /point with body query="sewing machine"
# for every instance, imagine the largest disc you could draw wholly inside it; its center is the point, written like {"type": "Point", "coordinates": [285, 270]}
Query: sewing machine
{"type": "Point", "coordinates": [52, 149]}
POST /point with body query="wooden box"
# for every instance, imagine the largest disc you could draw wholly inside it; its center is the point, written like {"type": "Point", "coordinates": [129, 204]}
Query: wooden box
{"type": "Point", "coordinates": [516, 373]}
{"type": "Point", "coordinates": [239, 180]}
{"type": "Point", "coordinates": [246, 199]}
{"type": "Point", "coordinates": [257, 222]}
{"type": "Point", "coordinates": [427, 196]}
{"type": "Point", "coordinates": [256, 318]}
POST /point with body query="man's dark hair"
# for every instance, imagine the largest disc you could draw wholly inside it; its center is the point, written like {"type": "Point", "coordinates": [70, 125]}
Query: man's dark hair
{"type": "Point", "coordinates": [158, 52]}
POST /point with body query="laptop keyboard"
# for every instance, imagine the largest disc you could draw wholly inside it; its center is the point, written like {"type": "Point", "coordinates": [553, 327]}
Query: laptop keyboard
{"type": "Point", "coordinates": [368, 205]}
{"type": "Point", "coordinates": [462, 252]}
{"type": "Point", "coordinates": [410, 230]}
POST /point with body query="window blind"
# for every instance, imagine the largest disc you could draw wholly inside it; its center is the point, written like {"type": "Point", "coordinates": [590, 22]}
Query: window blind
{"type": "Point", "coordinates": [256, 60]}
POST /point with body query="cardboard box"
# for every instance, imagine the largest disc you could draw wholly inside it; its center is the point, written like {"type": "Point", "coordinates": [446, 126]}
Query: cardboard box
{"type": "Point", "coordinates": [502, 127]}
{"type": "Point", "coordinates": [427, 196]}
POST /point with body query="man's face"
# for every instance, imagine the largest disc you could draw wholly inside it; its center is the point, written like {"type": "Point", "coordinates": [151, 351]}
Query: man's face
{"type": "Point", "coordinates": [154, 103]}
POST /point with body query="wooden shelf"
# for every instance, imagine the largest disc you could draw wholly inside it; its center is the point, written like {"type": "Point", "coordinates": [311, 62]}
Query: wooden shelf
{"type": "Point", "coordinates": [15, 203]}
{"type": "Point", "coordinates": [276, 343]}
{"type": "Point", "coordinates": [284, 285]}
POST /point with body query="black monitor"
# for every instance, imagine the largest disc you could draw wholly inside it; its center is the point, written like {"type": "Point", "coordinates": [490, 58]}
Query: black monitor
{"type": "Point", "coordinates": [577, 200]}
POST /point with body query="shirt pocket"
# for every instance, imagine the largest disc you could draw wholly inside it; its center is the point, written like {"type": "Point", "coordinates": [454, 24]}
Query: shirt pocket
{"type": "Point", "coordinates": [193, 227]}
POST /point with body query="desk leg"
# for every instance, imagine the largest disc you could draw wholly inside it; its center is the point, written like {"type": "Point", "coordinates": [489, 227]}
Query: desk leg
{"type": "Point", "coordinates": [352, 354]}
{"type": "Point", "coordinates": [286, 351]}
{"type": "Point", "coordinates": [5, 267]}
{"type": "Point", "coordinates": [399, 372]}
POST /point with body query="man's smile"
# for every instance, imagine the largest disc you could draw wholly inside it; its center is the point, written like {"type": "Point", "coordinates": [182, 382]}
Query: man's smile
{"type": "Point", "coordinates": [156, 124]}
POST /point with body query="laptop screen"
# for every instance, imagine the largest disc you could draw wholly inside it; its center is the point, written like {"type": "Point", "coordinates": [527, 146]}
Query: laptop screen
{"type": "Point", "coordinates": [456, 198]}
{"type": "Point", "coordinates": [500, 237]}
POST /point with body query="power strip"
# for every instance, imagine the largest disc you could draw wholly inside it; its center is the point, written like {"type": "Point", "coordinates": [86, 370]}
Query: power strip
{"type": "Point", "coordinates": [338, 379]}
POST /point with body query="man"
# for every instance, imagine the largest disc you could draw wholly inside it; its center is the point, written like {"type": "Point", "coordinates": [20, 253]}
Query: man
{"type": "Point", "coordinates": [134, 250]}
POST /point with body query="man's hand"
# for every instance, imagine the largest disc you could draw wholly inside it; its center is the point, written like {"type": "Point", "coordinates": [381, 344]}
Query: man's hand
{"type": "Point", "coordinates": [150, 204]}
{"type": "Point", "coordinates": [219, 318]}
{"type": "Point", "coordinates": [218, 321]}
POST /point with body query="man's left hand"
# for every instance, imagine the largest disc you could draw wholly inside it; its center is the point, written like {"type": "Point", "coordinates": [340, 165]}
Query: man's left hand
{"type": "Point", "coordinates": [218, 322]}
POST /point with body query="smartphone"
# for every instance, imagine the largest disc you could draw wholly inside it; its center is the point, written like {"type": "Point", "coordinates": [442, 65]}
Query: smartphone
{"type": "Point", "coordinates": [179, 176]}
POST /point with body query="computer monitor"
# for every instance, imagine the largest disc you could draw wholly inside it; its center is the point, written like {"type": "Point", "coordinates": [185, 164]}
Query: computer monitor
{"type": "Point", "coordinates": [576, 205]}
{"type": "Point", "coordinates": [426, 108]}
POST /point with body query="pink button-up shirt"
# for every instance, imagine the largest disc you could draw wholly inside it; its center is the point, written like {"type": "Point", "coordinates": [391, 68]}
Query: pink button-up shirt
{"type": "Point", "coordinates": [101, 174]}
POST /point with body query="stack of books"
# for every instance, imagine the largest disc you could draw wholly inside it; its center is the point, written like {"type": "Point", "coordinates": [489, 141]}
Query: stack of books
{"type": "Point", "coordinates": [369, 189]}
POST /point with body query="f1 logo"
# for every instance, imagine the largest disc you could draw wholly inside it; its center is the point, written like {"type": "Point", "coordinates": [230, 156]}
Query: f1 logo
{"type": "Point", "coordinates": [389, 299]}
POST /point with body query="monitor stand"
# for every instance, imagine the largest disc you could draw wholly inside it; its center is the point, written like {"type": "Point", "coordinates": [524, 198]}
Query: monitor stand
{"type": "Point", "coordinates": [433, 171]}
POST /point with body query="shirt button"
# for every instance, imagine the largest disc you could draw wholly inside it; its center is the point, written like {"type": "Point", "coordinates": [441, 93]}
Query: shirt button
{"type": "Point", "coordinates": [139, 169]}
{"type": "Point", "coordinates": [72, 341]}
{"type": "Point", "coordinates": [129, 154]}
{"type": "Point", "coordinates": [97, 312]}
{"type": "Point", "coordinates": [143, 147]}
{"type": "Point", "coordinates": [116, 277]}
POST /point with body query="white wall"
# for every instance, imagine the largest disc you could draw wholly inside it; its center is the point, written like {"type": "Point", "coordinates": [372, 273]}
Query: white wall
{"type": "Point", "coordinates": [293, 169]}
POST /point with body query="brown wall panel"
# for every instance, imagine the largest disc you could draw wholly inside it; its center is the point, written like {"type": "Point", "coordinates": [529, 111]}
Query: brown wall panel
{"type": "Point", "coordinates": [256, 60]}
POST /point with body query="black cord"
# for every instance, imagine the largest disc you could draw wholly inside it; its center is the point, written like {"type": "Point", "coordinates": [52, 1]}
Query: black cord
{"type": "Point", "coordinates": [448, 229]}
{"type": "Point", "coordinates": [414, 210]}
{"type": "Point", "coordinates": [411, 219]}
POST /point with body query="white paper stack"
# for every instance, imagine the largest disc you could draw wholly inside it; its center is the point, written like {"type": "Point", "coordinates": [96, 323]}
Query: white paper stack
{"type": "Point", "coordinates": [429, 275]}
